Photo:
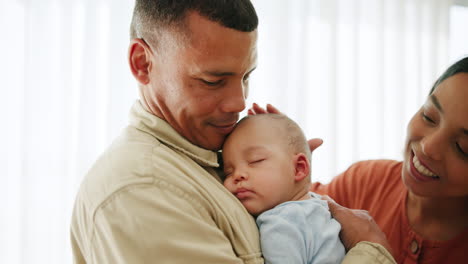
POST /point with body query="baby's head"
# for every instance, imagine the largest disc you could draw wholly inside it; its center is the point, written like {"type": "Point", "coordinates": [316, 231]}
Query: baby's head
{"type": "Point", "coordinates": [266, 162]}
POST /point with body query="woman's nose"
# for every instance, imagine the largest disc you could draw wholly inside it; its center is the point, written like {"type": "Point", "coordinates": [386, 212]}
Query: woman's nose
{"type": "Point", "coordinates": [432, 145]}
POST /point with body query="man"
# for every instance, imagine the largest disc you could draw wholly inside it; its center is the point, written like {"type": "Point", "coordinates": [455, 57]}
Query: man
{"type": "Point", "coordinates": [155, 196]}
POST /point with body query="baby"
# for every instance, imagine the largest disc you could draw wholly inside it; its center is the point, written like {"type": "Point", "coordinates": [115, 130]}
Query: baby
{"type": "Point", "coordinates": [267, 167]}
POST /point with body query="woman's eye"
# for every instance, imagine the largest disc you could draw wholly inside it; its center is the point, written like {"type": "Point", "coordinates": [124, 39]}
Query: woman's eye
{"type": "Point", "coordinates": [460, 149]}
{"type": "Point", "coordinates": [427, 118]}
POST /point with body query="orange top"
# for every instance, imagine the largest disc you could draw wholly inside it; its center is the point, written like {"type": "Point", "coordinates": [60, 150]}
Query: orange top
{"type": "Point", "coordinates": [376, 186]}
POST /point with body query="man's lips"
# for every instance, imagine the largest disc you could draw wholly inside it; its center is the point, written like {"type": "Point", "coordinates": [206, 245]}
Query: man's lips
{"type": "Point", "coordinates": [224, 128]}
{"type": "Point", "coordinates": [243, 193]}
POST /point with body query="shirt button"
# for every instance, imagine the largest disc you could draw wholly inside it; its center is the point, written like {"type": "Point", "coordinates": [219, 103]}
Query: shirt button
{"type": "Point", "coordinates": [414, 246]}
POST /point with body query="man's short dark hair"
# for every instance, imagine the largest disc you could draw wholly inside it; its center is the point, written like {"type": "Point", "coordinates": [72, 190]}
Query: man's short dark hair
{"type": "Point", "coordinates": [153, 16]}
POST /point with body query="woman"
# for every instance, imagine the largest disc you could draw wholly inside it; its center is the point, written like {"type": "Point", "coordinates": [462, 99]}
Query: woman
{"type": "Point", "coordinates": [420, 203]}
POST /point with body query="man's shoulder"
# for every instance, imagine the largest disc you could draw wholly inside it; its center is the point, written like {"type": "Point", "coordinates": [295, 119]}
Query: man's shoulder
{"type": "Point", "coordinates": [138, 153]}
{"type": "Point", "coordinates": [129, 156]}
{"type": "Point", "coordinates": [134, 158]}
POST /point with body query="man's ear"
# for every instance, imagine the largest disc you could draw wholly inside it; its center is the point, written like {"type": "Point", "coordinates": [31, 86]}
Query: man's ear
{"type": "Point", "coordinates": [302, 167]}
{"type": "Point", "coordinates": [139, 59]}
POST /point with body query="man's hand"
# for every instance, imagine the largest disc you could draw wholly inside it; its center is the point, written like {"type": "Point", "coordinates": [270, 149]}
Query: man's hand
{"type": "Point", "coordinates": [356, 226]}
{"type": "Point", "coordinates": [314, 143]}
{"type": "Point", "coordinates": [256, 109]}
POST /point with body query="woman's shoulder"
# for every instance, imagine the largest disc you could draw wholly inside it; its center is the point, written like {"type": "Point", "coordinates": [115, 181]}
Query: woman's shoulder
{"type": "Point", "coordinates": [361, 180]}
{"type": "Point", "coordinates": [372, 168]}
{"type": "Point", "coordinates": [379, 164]}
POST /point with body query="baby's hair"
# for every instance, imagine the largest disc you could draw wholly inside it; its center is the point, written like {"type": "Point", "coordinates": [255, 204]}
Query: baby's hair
{"type": "Point", "coordinates": [295, 138]}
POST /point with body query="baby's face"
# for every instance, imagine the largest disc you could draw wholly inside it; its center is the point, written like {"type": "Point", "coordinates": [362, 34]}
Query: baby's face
{"type": "Point", "coordinates": [259, 168]}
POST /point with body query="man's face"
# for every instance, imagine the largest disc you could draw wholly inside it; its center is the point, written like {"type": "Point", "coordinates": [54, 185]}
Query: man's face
{"type": "Point", "coordinates": [199, 85]}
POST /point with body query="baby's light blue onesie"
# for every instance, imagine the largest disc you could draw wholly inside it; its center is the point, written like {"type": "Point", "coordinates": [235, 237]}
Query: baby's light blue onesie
{"type": "Point", "coordinates": [300, 232]}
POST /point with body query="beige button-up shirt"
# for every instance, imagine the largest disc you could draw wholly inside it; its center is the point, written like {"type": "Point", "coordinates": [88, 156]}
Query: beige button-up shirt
{"type": "Point", "coordinates": [153, 197]}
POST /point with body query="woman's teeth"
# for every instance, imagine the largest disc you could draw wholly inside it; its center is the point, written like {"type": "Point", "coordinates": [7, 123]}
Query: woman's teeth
{"type": "Point", "coordinates": [421, 169]}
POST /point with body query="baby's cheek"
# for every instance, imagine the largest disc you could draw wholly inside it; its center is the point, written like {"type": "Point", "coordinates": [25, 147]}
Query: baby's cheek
{"type": "Point", "coordinates": [227, 184]}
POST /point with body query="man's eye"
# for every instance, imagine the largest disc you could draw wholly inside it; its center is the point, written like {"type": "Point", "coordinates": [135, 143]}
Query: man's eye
{"type": "Point", "coordinates": [212, 83]}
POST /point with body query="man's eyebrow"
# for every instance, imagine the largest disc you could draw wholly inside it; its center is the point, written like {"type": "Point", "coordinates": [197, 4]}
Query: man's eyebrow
{"type": "Point", "coordinates": [221, 74]}
{"type": "Point", "coordinates": [465, 131]}
{"type": "Point", "coordinates": [218, 74]}
{"type": "Point", "coordinates": [435, 101]}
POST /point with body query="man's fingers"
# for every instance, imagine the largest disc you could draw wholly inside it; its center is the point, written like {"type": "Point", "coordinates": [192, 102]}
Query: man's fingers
{"type": "Point", "coordinates": [363, 214]}
{"type": "Point", "coordinates": [337, 210]}
{"type": "Point", "coordinates": [328, 199]}
{"type": "Point", "coordinates": [256, 109]}
{"type": "Point", "coordinates": [272, 110]}
{"type": "Point", "coordinates": [356, 225]}
{"type": "Point", "coordinates": [332, 205]}
{"type": "Point", "coordinates": [314, 143]}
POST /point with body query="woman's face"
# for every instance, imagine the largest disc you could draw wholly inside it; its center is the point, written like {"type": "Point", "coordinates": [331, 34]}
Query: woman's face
{"type": "Point", "coordinates": [436, 155]}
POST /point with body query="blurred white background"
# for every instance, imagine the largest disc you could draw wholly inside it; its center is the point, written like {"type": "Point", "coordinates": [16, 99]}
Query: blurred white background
{"type": "Point", "coordinates": [349, 71]}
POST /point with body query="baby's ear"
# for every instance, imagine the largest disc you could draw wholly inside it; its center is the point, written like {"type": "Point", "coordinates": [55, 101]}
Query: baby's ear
{"type": "Point", "coordinates": [302, 167]}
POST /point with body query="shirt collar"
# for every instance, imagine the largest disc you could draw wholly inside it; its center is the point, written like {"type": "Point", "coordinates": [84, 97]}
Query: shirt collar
{"type": "Point", "coordinates": [159, 128]}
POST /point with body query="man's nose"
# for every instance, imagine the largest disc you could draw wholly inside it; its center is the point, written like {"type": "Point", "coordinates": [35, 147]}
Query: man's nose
{"type": "Point", "coordinates": [234, 99]}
